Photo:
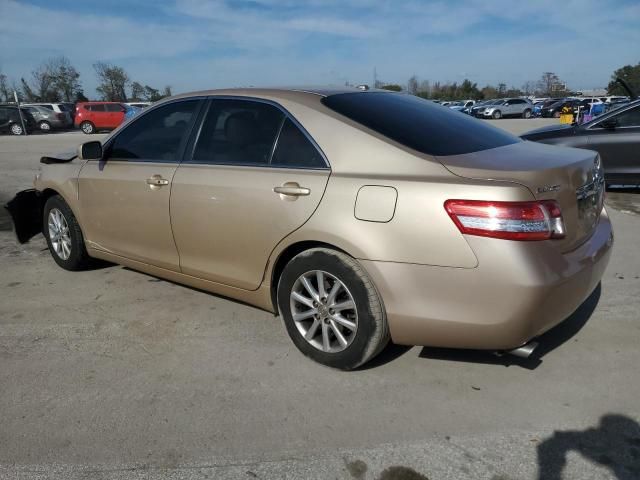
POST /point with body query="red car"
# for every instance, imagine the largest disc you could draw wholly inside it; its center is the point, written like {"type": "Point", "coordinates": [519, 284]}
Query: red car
{"type": "Point", "coordinates": [93, 116]}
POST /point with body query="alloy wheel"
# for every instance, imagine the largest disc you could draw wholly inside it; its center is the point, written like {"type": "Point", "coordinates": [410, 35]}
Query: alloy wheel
{"type": "Point", "coordinates": [59, 234]}
{"type": "Point", "coordinates": [324, 311]}
{"type": "Point", "coordinates": [16, 129]}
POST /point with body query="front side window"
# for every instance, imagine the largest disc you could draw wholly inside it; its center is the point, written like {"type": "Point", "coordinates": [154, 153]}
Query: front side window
{"type": "Point", "coordinates": [295, 150]}
{"type": "Point", "coordinates": [157, 136]}
{"type": "Point", "coordinates": [238, 132]}
{"type": "Point", "coordinates": [114, 107]}
{"type": "Point", "coordinates": [97, 107]}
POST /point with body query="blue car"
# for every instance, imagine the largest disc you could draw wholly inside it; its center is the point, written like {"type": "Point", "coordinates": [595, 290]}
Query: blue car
{"type": "Point", "coordinates": [130, 112]}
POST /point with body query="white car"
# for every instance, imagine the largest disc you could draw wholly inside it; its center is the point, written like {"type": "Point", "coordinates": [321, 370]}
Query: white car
{"type": "Point", "coordinates": [614, 98]}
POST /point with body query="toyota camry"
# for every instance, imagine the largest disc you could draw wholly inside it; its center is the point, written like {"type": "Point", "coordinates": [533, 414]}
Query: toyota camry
{"type": "Point", "coordinates": [358, 216]}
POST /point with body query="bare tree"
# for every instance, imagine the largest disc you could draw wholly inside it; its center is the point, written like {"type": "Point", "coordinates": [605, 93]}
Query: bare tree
{"type": "Point", "coordinates": [551, 84]}
{"type": "Point", "coordinates": [43, 85]}
{"type": "Point", "coordinates": [137, 91]}
{"type": "Point", "coordinates": [66, 79]}
{"type": "Point", "coordinates": [5, 94]}
{"type": "Point", "coordinates": [112, 82]}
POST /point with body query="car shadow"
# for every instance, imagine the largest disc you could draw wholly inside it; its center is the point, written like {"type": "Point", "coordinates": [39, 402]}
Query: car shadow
{"type": "Point", "coordinates": [547, 342]}
{"type": "Point", "coordinates": [613, 444]}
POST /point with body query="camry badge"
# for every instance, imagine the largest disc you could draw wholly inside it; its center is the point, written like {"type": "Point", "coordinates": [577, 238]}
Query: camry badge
{"type": "Point", "coordinates": [548, 188]}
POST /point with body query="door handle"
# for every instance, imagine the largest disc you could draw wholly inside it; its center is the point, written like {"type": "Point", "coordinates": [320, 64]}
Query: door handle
{"type": "Point", "coordinates": [157, 181]}
{"type": "Point", "coordinates": [292, 189]}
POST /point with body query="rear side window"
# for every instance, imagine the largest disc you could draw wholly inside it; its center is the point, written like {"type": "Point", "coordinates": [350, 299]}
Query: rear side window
{"type": "Point", "coordinates": [419, 124]}
{"type": "Point", "coordinates": [157, 136]}
{"type": "Point", "coordinates": [295, 150]}
{"type": "Point", "coordinates": [238, 132]}
{"type": "Point", "coordinates": [112, 107]}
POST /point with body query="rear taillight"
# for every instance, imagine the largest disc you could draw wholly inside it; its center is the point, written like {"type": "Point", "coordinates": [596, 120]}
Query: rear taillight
{"type": "Point", "coordinates": [540, 220]}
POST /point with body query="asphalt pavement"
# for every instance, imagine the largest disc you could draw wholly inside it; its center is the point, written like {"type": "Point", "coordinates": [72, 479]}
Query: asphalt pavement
{"type": "Point", "coordinates": [113, 374]}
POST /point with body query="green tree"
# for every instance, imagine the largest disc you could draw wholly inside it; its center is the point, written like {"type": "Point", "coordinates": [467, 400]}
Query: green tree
{"type": "Point", "coordinates": [167, 91]}
{"type": "Point", "coordinates": [394, 87]}
{"type": "Point", "coordinates": [112, 82]}
{"type": "Point", "coordinates": [629, 73]}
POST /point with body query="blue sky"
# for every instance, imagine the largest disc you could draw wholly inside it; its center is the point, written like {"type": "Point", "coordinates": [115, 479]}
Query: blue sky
{"type": "Point", "coordinates": [196, 44]}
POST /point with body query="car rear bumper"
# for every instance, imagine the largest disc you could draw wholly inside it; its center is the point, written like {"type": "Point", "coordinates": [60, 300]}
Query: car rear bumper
{"type": "Point", "coordinates": [518, 291]}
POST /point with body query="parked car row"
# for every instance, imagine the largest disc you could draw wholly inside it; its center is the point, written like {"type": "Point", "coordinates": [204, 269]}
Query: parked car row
{"type": "Point", "coordinates": [501, 108]}
{"type": "Point", "coordinates": [90, 117]}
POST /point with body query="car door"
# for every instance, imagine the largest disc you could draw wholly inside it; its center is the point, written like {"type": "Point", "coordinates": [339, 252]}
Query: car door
{"type": "Point", "coordinates": [4, 118]}
{"type": "Point", "coordinates": [253, 177]}
{"type": "Point", "coordinates": [617, 139]}
{"type": "Point", "coordinates": [115, 113]}
{"type": "Point", "coordinates": [124, 198]}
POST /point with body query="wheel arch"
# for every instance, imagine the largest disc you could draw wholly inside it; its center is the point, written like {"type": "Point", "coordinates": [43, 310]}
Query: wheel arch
{"type": "Point", "coordinates": [286, 255]}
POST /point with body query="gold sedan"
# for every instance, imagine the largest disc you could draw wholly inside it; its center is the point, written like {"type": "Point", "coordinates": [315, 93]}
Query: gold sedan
{"type": "Point", "coordinates": [359, 216]}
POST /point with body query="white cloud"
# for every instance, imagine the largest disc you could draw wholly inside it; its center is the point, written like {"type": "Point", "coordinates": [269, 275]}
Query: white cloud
{"type": "Point", "coordinates": [202, 44]}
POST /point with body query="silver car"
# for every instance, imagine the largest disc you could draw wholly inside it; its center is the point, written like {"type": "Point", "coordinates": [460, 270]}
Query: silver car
{"type": "Point", "coordinates": [46, 119]}
{"type": "Point", "coordinates": [509, 107]}
{"type": "Point", "coordinates": [60, 110]}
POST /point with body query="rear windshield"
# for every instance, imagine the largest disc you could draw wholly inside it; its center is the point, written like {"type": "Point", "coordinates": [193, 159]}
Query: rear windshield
{"type": "Point", "coordinates": [419, 124]}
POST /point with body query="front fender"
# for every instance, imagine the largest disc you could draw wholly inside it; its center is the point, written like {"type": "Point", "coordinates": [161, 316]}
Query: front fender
{"type": "Point", "coordinates": [26, 212]}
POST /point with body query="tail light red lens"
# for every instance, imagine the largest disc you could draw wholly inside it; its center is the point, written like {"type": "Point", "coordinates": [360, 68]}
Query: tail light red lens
{"type": "Point", "coordinates": [540, 220]}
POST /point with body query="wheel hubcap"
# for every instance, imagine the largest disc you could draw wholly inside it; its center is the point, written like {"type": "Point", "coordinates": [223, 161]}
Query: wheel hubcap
{"type": "Point", "coordinates": [59, 234]}
{"type": "Point", "coordinates": [324, 311]}
{"type": "Point", "coordinates": [17, 129]}
{"type": "Point", "coordinates": [87, 128]}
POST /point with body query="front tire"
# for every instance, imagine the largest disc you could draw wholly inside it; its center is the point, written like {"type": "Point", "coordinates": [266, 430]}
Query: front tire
{"type": "Point", "coordinates": [44, 126]}
{"type": "Point", "coordinates": [88, 128]}
{"type": "Point", "coordinates": [16, 129]}
{"type": "Point", "coordinates": [526, 113]}
{"type": "Point", "coordinates": [331, 309]}
{"type": "Point", "coordinates": [556, 114]}
{"type": "Point", "coordinates": [497, 115]}
{"type": "Point", "coordinates": [63, 235]}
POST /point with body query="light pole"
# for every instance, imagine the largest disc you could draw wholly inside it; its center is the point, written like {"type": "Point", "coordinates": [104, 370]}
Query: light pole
{"type": "Point", "coordinates": [15, 95]}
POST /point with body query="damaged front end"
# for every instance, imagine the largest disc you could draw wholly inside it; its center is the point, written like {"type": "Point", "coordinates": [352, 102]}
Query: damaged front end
{"type": "Point", "coordinates": [26, 212]}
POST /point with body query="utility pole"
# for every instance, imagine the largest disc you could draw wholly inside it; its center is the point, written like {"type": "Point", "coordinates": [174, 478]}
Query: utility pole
{"type": "Point", "coordinates": [375, 78]}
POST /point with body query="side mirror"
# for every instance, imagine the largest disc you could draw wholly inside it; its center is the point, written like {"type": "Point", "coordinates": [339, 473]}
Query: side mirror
{"type": "Point", "coordinates": [609, 123]}
{"type": "Point", "coordinates": [90, 151]}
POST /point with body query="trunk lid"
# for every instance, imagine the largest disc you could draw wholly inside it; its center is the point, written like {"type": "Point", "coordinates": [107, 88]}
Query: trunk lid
{"type": "Point", "coordinates": [573, 177]}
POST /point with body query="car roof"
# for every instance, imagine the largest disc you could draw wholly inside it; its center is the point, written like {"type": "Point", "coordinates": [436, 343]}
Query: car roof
{"type": "Point", "coordinates": [288, 91]}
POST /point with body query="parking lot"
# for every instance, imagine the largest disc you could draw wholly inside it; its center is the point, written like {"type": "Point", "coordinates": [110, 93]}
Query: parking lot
{"type": "Point", "coordinates": [114, 374]}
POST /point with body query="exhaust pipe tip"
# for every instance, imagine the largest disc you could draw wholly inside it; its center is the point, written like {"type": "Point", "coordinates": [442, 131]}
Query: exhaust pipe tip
{"type": "Point", "coordinates": [524, 351]}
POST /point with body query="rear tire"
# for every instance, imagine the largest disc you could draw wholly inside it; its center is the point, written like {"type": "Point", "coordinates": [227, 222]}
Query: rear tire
{"type": "Point", "coordinates": [497, 115]}
{"type": "Point", "coordinates": [340, 326]}
{"type": "Point", "coordinates": [44, 126]}
{"type": "Point", "coordinates": [88, 128]}
{"type": "Point", "coordinates": [526, 113]}
{"type": "Point", "coordinates": [16, 129]}
{"type": "Point", "coordinates": [63, 235]}
{"type": "Point", "coordinates": [556, 114]}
